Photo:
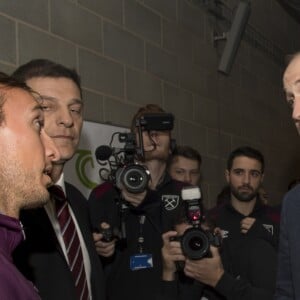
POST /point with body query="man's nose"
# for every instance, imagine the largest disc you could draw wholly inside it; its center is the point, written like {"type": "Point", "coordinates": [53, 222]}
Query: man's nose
{"type": "Point", "coordinates": [187, 178]}
{"type": "Point", "coordinates": [65, 117]}
{"type": "Point", "coordinates": [51, 151]}
{"type": "Point", "coordinates": [296, 109]}
{"type": "Point", "coordinates": [246, 177]}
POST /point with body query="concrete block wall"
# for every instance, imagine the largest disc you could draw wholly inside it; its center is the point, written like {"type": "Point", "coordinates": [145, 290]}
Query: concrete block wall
{"type": "Point", "coordinates": [133, 52]}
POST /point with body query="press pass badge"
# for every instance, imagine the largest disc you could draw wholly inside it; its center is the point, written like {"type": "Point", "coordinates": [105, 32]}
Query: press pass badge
{"type": "Point", "coordinates": [141, 261]}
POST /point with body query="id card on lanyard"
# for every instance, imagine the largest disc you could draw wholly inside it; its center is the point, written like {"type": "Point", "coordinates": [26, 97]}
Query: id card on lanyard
{"type": "Point", "coordinates": [141, 260]}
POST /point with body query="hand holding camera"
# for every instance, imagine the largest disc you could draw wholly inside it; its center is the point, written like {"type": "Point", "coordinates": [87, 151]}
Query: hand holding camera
{"type": "Point", "coordinates": [133, 198]}
{"type": "Point", "coordinates": [171, 253]}
{"type": "Point", "coordinates": [105, 240]}
{"type": "Point", "coordinates": [191, 242]}
{"type": "Point", "coordinates": [207, 270]}
{"type": "Point", "coordinates": [192, 248]}
{"type": "Point", "coordinates": [195, 241]}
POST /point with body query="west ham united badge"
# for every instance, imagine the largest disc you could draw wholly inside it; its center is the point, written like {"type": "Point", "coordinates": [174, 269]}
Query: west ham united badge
{"type": "Point", "coordinates": [170, 201]}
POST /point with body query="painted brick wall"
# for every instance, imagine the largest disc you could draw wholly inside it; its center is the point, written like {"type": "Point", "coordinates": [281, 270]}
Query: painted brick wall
{"type": "Point", "coordinates": [130, 53]}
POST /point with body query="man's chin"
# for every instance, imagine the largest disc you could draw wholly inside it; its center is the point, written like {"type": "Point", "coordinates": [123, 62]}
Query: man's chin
{"type": "Point", "coordinates": [40, 202]}
{"type": "Point", "coordinates": [154, 156]}
{"type": "Point", "coordinates": [246, 198]}
{"type": "Point", "coordinates": [66, 153]}
{"type": "Point", "coordinates": [64, 156]}
{"type": "Point", "coordinates": [62, 161]}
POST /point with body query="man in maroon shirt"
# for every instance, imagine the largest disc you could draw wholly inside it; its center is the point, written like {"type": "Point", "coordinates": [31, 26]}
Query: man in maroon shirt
{"type": "Point", "coordinates": [26, 157]}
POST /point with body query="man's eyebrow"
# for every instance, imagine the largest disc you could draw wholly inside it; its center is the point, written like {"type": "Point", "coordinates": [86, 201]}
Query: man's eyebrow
{"type": "Point", "coordinates": [250, 170]}
{"type": "Point", "coordinates": [37, 107]}
{"type": "Point", "coordinates": [293, 83]}
{"type": "Point", "coordinates": [255, 170]}
{"type": "Point", "coordinates": [50, 98]}
{"type": "Point", "coordinates": [78, 101]}
{"type": "Point", "coordinates": [45, 97]}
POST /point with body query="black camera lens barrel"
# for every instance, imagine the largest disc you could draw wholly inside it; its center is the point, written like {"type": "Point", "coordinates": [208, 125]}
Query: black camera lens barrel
{"type": "Point", "coordinates": [195, 243]}
{"type": "Point", "coordinates": [134, 178]}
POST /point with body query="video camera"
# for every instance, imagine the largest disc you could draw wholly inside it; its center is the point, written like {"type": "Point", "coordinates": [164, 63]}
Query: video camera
{"type": "Point", "coordinates": [195, 241]}
{"type": "Point", "coordinates": [123, 168]}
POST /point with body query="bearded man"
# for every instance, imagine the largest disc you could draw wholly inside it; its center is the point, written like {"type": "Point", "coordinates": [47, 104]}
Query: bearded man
{"type": "Point", "coordinates": [245, 215]}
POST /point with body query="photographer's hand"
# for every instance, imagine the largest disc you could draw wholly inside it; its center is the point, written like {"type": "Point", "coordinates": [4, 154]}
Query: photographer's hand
{"type": "Point", "coordinates": [105, 249]}
{"type": "Point", "coordinates": [171, 252]}
{"type": "Point", "coordinates": [246, 224]}
{"type": "Point", "coordinates": [206, 270]}
{"type": "Point", "coordinates": [134, 199]}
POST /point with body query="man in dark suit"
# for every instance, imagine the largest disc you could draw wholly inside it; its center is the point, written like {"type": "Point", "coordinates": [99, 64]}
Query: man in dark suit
{"type": "Point", "coordinates": [59, 254]}
{"type": "Point", "coordinates": [288, 276]}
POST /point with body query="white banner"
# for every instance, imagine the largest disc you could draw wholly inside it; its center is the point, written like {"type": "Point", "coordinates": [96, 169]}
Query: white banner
{"type": "Point", "coordinates": [83, 170]}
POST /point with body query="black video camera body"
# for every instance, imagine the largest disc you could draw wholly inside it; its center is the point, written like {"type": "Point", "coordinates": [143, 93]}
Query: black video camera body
{"type": "Point", "coordinates": [195, 241]}
{"type": "Point", "coordinates": [124, 170]}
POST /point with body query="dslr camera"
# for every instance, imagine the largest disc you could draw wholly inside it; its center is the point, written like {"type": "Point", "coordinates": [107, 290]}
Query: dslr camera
{"type": "Point", "coordinates": [109, 234]}
{"type": "Point", "coordinates": [195, 241]}
{"type": "Point", "coordinates": [123, 170]}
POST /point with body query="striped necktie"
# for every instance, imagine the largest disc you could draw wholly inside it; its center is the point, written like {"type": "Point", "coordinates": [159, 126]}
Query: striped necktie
{"type": "Point", "coordinates": [72, 243]}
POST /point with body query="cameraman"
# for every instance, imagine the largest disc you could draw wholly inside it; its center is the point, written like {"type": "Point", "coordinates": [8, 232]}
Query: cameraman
{"type": "Point", "coordinates": [219, 276]}
{"type": "Point", "coordinates": [133, 264]}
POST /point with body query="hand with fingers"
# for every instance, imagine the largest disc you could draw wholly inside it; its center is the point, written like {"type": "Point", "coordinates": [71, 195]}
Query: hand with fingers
{"type": "Point", "coordinates": [171, 253]}
{"type": "Point", "coordinates": [208, 270]}
{"type": "Point", "coordinates": [104, 247]}
{"type": "Point", "coordinates": [246, 224]}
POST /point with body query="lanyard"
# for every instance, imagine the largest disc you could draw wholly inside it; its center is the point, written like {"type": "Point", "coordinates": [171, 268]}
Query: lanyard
{"type": "Point", "coordinates": [142, 220]}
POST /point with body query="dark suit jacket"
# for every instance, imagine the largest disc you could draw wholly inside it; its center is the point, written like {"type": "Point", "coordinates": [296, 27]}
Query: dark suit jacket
{"type": "Point", "coordinates": [40, 257]}
{"type": "Point", "coordinates": [288, 275]}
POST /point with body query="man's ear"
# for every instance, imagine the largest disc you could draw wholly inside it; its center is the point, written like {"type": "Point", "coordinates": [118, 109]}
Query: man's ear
{"type": "Point", "coordinates": [227, 175]}
{"type": "Point", "coordinates": [172, 145]}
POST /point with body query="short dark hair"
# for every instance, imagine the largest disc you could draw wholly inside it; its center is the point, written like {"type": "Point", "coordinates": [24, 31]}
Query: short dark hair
{"type": "Point", "coordinates": [8, 82]}
{"type": "Point", "coordinates": [248, 152]}
{"type": "Point", "coordinates": [46, 68]}
{"type": "Point", "coordinates": [147, 109]}
{"type": "Point", "coordinates": [186, 152]}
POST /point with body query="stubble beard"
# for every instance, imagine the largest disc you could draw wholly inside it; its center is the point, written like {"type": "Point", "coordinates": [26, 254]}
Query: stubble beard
{"type": "Point", "coordinates": [38, 198]}
{"type": "Point", "coordinates": [24, 191]}
{"type": "Point", "coordinates": [158, 154]}
{"type": "Point", "coordinates": [244, 196]}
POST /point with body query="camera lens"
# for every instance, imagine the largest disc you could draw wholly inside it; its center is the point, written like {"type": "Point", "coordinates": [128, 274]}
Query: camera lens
{"type": "Point", "coordinates": [135, 178]}
{"type": "Point", "coordinates": [195, 243]}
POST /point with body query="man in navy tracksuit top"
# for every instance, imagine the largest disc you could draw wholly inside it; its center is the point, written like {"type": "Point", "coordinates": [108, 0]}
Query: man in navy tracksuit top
{"type": "Point", "coordinates": [245, 215]}
{"type": "Point", "coordinates": [246, 223]}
